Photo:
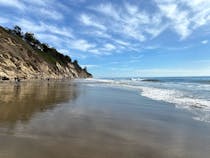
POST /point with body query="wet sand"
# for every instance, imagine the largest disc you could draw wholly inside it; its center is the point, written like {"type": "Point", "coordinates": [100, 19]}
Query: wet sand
{"type": "Point", "coordinates": [73, 120]}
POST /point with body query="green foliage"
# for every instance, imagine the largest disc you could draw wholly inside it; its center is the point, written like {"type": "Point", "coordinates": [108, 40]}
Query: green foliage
{"type": "Point", "coordinates": [62, 59]}
{"type": "Point", "coordinates": [17, 30]}
{"type": "Point", "coordinates": [45, 47]}
{"type": "Point", "coordinates": [30, 37]}
{"type": "Point", "coordinates": [51, 55]}
{"type": "Point", "coordinates": [47, 57]}
{"type": "Point", "coordinates": [75, 62]}
{"type": "Point", "coordinates": [77, 65]}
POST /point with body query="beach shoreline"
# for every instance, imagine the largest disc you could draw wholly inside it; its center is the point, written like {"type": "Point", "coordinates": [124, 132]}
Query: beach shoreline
{"type": "Point", "coordinates": [80, 119]}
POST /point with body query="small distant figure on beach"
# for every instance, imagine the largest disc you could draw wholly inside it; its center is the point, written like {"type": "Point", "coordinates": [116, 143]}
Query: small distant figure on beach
{"type": "Point", "coordinates": [17, 79]}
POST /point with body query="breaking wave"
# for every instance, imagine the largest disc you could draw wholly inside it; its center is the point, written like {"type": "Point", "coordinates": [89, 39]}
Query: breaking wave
{"type": "Point", "coordinates": [182, 95]}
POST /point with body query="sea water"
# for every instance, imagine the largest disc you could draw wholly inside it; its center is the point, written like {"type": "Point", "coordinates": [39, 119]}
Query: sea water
{"type": "Point", "coordinates": [189, 93]}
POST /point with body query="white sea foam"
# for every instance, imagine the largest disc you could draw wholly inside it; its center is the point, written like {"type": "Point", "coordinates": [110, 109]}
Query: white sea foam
{"type": "Point", "coordinates": [174, 96]}
{"type": "Point", "coordinates": [98, 80]}
{"type": "Point", "coordinates": [200, 107]}
{"type": "Point", "coordinates": [137, 79]}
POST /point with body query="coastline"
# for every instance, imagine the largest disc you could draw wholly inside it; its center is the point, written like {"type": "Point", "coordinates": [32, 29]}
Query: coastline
{"type": "Point", "coordinates": [41, 79]}
{"type": "Point", "coordinates": [83, 119]}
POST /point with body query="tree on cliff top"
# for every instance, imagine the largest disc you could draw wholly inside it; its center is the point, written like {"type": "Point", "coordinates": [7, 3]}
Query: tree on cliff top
{"type": "Point", "coordinates": [17, 30]}
{"type": "Point", "coordinates": [30, 38]}
{"type": "Point", "coordinates": [43, 47]}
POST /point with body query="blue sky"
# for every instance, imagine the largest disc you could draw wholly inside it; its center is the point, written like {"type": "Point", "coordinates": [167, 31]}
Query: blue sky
{"type": "Point", "coordinates": [121, 38]}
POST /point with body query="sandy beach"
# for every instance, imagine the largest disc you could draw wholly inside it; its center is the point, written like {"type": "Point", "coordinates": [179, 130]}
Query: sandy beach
{"type": "Point", "coordinates": [74, 119]}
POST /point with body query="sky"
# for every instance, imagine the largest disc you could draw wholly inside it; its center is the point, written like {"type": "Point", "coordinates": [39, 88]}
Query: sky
{"type": "Point", "coordinates": [121, 38]}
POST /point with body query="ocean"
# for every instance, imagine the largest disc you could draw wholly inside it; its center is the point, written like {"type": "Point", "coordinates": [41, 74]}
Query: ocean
{"type": "Point", "coordinates": [189, 93]}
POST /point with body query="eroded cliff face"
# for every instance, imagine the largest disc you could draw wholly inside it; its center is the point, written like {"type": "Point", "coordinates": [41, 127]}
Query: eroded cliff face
{"type": "Point", "coordinates": [19, 59]}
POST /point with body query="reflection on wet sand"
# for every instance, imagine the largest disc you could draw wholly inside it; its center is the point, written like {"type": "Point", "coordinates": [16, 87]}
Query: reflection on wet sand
{"type": "Point", "coordinates": [71, 120]}
{"type": "Point", "coordinates": [21, 101]}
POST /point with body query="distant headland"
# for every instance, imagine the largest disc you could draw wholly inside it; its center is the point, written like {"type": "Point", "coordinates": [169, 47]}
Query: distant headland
{"type": "Point", "coordinates": [22, 56]}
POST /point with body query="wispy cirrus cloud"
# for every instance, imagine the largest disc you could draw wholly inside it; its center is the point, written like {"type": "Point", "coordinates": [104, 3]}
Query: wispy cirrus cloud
{"type": "Point", "coordinates": [107, 9]}
{"type": "Point", "coordinates": [109, 47]}
{"type": "Point", "coordinates": [182, 17]}
{"type": "Point", "coordinates": [30, 26]}
{"type": "Point", "coordinates": [53, 40]}
{"type": "Point", "coordinates": [185, 16]}
{"type": "Point", "coordinates": [73, 53]}
{"type": "Point", "coordinates": [200, 11]}
{"type": "Point", "coordinates": [44, 9]}
{"type": "Point", "coordinates": [52, 14]}
{"type": "Point", "coordinates": [124, 26]}
{"type": "Point", "coordinates": [12, 3]}
{"type": "Point", "coordinates": [106, 49]}
{"type": "Point", "coordinates": [81, 44]}
{"type": "Point", "coordinates": [121, 42]}
{"type": "Point", "coordinates": [38, 2]}
{"type": "Point", "coordinates": [178, 18]}
{"type": "Point", "coordinates": [89, 21]}
{"type": "Point", "coordinates": [128, 21]}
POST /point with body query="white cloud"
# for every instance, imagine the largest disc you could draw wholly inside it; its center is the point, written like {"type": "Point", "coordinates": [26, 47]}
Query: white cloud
{"type": "Point", "coordinates": [12, 3]}
{"type": "Point", "coordinates": [124, 43]}
{"type": "Point", "coordinates": [204, 41]}
{"type": "Point", "coordinates": [155, 31]}
{"type": "Point", "coordinates": [89, 66]}
{"type": "Point", "coordinates": [45, 9]}
{"type": "Point", "coordinates": [109, 47]}
{"type": "Point", "coordinates": [43, 27]}
{"type": "Point", "coordinates": [77, 1]}
{"type": "Point", "coordinates": [131, 9]}
{"type": "Point", "coordinates": [201, 11]}
{"type": "Point", "coordinates": [152, 47]}
{"type": "Point", "coordinates": [3, 20]}
{"type": "Point", "coordinates": [38, 2]}
{"type": "Point", "coordinates": [179, 19]}
{"type": "Point", "coordinates": [95, 51]}
{"type": "Point", "coordinates": [115, 28]}
{"type": "Point", "coordinates": [185, 16]}
{"type": "Point", "coordinates": [129, 21]}
{"type": "Point", "coordinates": [99, 51]}
{"type": "Point", "coordinates": [63, 31]}
{"type": "Point", "coordinates": [106, 50]}
{"type": "Point", "coordinates": [29, 26]}
{"type": "Point", "coordinates": [81, 45]}
{"type": "Point", "coordinates": [89, 21]}
{"type": "Point", "coordinates": [101, 34]}
{"type": "Point", "coordinates": [74, 54]}
{"type": "Point", "coordinates": [97, 34]}
{"type": "Point", "coordinates": [51, 14]}
{"type": "Point", "coordinates": [107, 9]}
{"type": "Point", "coordinates": [50, 39]}
{"type": "Point", "coordinates": [133, 33]}
{"type": "Point", "coordinates": [63, 51]}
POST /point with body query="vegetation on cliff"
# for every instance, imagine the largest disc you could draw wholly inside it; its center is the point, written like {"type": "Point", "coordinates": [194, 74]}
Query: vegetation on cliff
{"type": "Point", "coordinates": [24, 56]}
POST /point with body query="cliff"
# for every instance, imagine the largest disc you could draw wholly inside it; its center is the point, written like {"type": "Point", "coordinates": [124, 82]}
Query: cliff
{"type": "Point", "coordinates": [24, 57]}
